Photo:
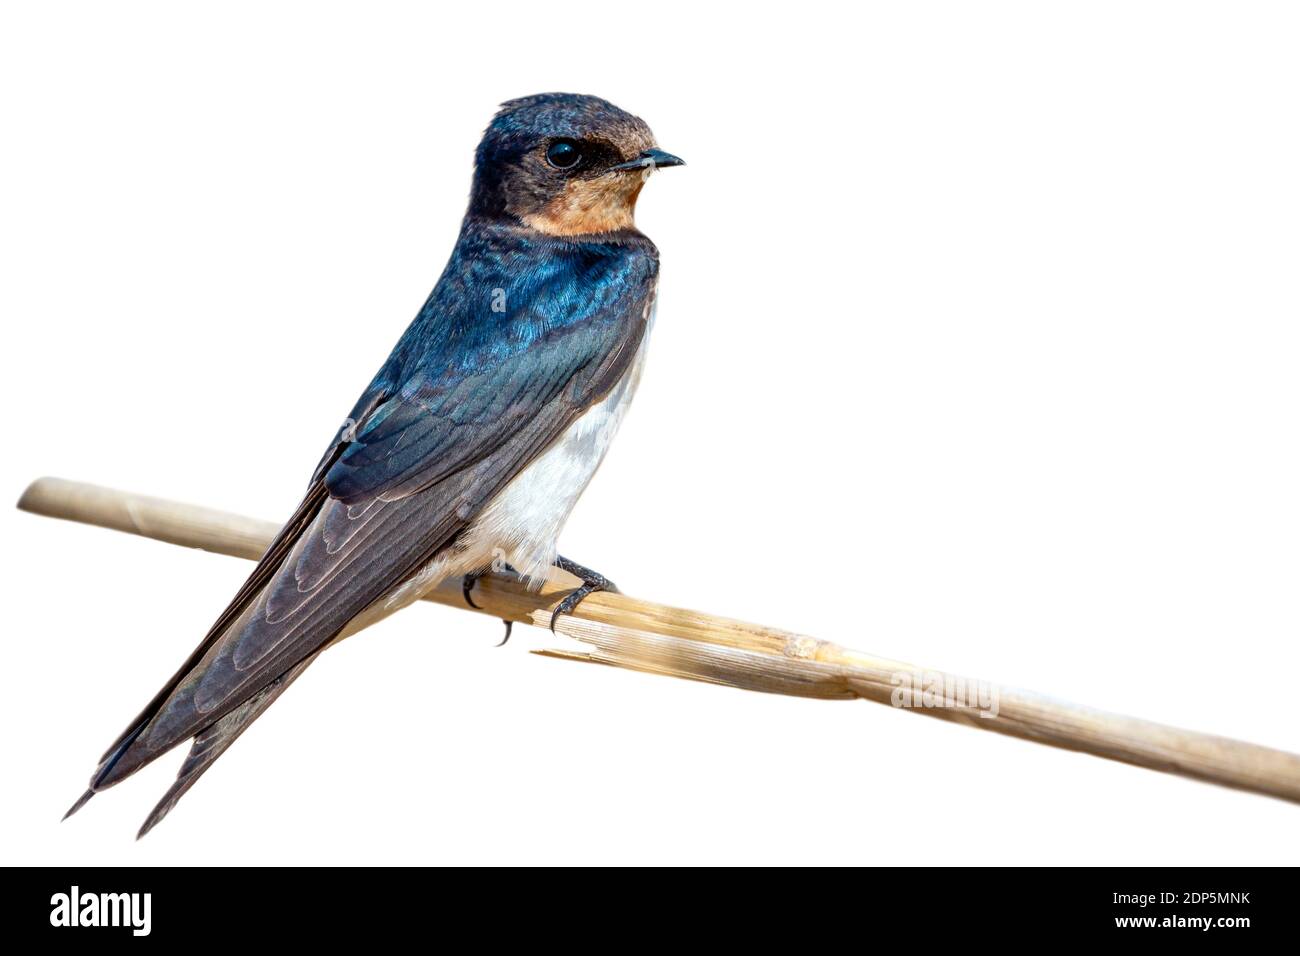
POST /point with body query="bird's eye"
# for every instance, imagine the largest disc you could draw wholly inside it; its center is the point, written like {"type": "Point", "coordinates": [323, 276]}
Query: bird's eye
{"type": "Point", "coordinates": [563, 154]}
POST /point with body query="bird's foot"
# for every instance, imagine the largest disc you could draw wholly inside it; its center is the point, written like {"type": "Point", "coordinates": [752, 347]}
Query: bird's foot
{"type": "Point", "coordinates": [467, 588]}
{"type": "Point", "coordinates": [467, 583]}
{"type": "Point", "coordinates": [592, 582]}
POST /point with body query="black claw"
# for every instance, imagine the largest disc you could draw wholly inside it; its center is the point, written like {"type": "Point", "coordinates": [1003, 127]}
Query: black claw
{"type": "Point", "coordinates": [592, 582]}
{"type": "Point", "coordinates": [467, 583]}
{"type": "Point", "coordinates": [466, 586]}
{"type": "Point", "coordinates": [572, 600]}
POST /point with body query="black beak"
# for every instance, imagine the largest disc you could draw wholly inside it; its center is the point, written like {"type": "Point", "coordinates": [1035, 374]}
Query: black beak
{"type": "Point", "coordinates": [651, 159]}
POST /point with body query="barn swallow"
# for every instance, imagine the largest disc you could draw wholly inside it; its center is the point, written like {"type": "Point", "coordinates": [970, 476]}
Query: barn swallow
{"type": "Point", "coordinates": [472, 443]}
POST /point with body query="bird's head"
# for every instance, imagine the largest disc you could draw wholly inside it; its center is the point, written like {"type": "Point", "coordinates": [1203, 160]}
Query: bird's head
{"type": "Point", "coordinates": [564, 164]}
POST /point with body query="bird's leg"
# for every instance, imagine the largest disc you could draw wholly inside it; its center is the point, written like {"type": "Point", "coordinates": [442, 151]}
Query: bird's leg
{"type": "Point", "coordinates": [467, 583]}
{"type": "Point", "coordinates": [592, 582]}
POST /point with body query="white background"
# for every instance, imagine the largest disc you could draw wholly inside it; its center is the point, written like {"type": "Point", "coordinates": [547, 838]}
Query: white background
{"type": "Point", "coordinates": [977, 347]}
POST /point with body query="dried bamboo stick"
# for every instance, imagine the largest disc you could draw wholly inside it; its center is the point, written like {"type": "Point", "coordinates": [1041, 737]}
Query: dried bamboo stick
{"type": "Point", "coordinates": [626, 632]}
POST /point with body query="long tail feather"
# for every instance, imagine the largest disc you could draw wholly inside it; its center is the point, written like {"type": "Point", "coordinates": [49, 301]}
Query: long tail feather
{"type": "Point", "coordinates": [216, 740]}
{"type": "Point", "coordinates": [81, 802]}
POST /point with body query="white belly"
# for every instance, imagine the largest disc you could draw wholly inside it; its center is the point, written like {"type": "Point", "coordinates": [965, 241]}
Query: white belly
{"type": "Point", "coordinates": [522, 524]}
